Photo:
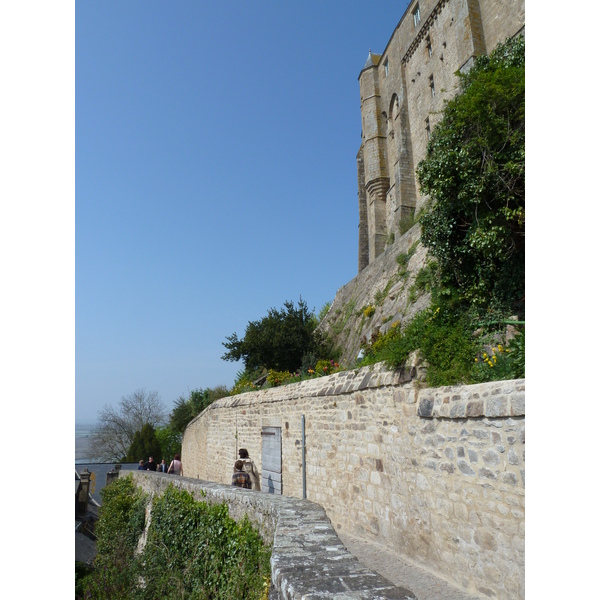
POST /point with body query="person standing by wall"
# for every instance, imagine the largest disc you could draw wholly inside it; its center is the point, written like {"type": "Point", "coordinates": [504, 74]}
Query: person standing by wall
{"type": "Point", "coordinates": [250, 468]}
{"type": "Point", "coordinates": [162, 468]}
{"type": "Point", "coordinates": [141, 466]}
{"type": "Point", "coordinates": [176, 468]}
{"type": "Point", "coordinates": [150, 465]}
{"type": "Point", "coordinates": [240, 478]}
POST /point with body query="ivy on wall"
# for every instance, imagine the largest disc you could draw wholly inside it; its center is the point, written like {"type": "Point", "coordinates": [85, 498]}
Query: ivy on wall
{"type": "Point", "coordinates": [193, 550]}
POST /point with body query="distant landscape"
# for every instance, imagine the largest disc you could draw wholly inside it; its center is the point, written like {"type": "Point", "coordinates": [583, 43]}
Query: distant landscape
{"type": "Point", "coordinates": [83, 436]}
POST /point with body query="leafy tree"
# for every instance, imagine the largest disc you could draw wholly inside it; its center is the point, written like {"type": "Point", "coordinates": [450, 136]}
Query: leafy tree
{"type": "Point", "coordinates": [279, 340]}
{"type": "Point", "coordinates": [170, 442]}
{"type": "Point", "coordinates": [187, 408]}
{"type": "Point", "coordinates": [114, 434]}
{"type": "Point", "coordinates": [144, 444]}
{"type": "Point", "coordinates": [475, 171]}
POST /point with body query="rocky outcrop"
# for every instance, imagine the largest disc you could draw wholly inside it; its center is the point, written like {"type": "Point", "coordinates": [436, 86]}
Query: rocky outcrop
{"type": "Point", "coordinates": [382, 294]}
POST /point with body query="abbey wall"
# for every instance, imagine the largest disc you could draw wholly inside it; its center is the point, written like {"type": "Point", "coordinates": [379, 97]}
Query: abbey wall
{"type": "Point", "coordinates": [402, 95]}
{"type": "Point", "coordinates": [437, 475]}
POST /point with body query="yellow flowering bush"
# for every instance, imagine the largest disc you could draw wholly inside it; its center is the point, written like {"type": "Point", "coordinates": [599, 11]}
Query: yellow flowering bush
{"type": "Point", "coordinates": [276, 378]}
{"type": "Point", "coordinates": [368, 311]}
{"type": "Point", "coordinates": [496, 365]}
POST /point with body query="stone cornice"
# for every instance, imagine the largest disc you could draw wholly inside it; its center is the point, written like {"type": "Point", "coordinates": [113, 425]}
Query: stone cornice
{"type": "Point", "coordinates": [494, 399]}
{"type": "Point", "coordinates": [423, 31]}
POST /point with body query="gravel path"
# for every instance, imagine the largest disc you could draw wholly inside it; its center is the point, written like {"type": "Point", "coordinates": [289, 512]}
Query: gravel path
{"type": "Point", "coordinates": [401, 572]}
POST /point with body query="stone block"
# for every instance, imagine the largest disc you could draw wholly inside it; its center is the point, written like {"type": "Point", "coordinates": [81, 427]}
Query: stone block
{"type": "Point", "coordinates": [517, 403]}
{"type": "Point", "coordinates": [425, 408]}
{"type": "Point", "coordinates": [496, 406]}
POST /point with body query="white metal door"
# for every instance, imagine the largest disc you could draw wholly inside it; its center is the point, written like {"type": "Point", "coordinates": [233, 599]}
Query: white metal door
{"type": "Point", "coordinates": [271, 460]}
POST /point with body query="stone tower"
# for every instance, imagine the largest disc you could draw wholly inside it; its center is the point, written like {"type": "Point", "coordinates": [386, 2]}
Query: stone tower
{"type": "Point", "coordinates": [402, 97]}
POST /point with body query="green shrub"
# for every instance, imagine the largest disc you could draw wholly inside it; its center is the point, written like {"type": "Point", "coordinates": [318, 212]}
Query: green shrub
{"type": "Point", "coordinates": [275, 378]}
{"type": "Point", "coordinates": [196, 550]}
{"type": "Point", "coordinates": [326, 367]}
{"type": "Point", "coordinates": [193, 550]}
{"type": "Point", "coordinates": [368, 311]}
{"type": "Point", "coordinates": [244, 380]}
{"type": "Point", "coordinates": [475, 171]}
{"type": "Point", "coordinates": [324, 310]}
{"type": "Point", "coordinates": [498, 362]}
{"type": "Point", "coordinates": [116, 568]}
{"type": "Point", "coordinates": [442, 336]}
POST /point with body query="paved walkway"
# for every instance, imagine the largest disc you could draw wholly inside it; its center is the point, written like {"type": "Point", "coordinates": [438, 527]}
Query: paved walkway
{"type": "Point", "coordinates": [401, 572]}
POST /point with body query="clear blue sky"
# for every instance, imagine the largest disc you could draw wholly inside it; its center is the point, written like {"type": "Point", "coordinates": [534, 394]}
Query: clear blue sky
{"type": "Point", "coordinates": [215, 178]}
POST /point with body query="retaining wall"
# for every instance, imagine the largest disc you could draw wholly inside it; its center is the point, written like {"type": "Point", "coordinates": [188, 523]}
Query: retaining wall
{"type": "Point", "coordinates": [435, 474]}
{"type": "Point", "coordinates": [308, 561]}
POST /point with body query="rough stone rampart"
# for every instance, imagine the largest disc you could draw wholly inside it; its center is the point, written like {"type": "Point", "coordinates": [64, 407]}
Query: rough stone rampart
{"type": "Point", "coordinates": [308, 560]}
{"type": "Point", "coordinates": [435, 474]}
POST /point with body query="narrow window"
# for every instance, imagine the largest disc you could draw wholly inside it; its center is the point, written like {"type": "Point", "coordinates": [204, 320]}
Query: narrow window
{"type": "Point", "coordinates": [416, 15]}
{"type": "Point", "coordinates": [386, 66]}
{"type": "Point", "coordinates": [428, 42]}
{"type": "Point", "coordinates": [428, 128]}
{"type": "Point", "coordinates": [432, 86]}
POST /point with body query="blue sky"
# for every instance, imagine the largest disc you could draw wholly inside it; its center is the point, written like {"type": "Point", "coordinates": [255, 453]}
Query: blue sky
{"type": "Point", "coordinates": [215, 178]}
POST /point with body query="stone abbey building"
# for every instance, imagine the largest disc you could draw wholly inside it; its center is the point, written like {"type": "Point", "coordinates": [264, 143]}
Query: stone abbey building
{"type": "Point", "coordinates": [402, 95]}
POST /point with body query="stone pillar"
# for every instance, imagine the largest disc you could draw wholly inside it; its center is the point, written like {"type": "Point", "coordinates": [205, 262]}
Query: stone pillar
{"type": "Point", "coordinates": [84, 491]}
{"type": "Point", "coordinates": [375, 177]}
{"type": "Point", "coordinates": [113, 474]}
{"type": "Point", "coordinates": [363, 220]}
{"type": "Point", "coordinates": [377, 192]}
{"type": "Point", "coordinates": [406, 189]}
{"type": "Point", "coordinates": [469, 30]}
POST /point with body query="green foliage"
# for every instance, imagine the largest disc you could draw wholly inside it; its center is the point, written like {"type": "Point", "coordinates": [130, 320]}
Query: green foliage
{"type": "Point", "coordinates": [279, 340]}
{"type": "Point", "coordinates": [426, 280]}
{"type": "Point", "coordinates": [194, 549]}
{"type": "Point", "coordinates": [381, 295]}
{"type": "Point", "coordinates": [186, 409]}
{"type": "Point", "coordinates": [475, 170]}
{"type": "Point", "coordinates": [170, 442]}
{"type": "Point", "coordinates": [324, 310]}
{"type": "Point", "coordinates": [346, 313]}
{"type": "Point", "coordinates": [244, 380]}
{"type": "Point", "coordinates": [326, 367]}
{"type": "Point", "coordinates": [498, 362]}
{"type": "Point", "coordinates": [82, 573]}
{"type": "Point", "coordinates": [517, 347]}
{"type": "Point", "coordinates": [276, 378]}
{"type": "Point", "coordinates": [442, 336]}
{"type": "Point", "coordinates": [116, 568]}
{"type": "Point", "coordinates": [403, 258]}
{"type": "Point", "coordinates": [145, 444]}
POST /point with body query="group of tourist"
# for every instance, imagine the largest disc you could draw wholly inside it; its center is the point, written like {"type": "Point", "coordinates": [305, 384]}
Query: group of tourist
{"type": "Point", "coordinates": [245, 474]}
{"type": "Point", "coordinates": [175, 468]}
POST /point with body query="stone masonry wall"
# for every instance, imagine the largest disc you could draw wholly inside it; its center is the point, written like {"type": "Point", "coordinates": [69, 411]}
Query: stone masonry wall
{"type": "Point", "coordinates": [434, 474]}
{"type": "Point", "coordinates": [308, 560]}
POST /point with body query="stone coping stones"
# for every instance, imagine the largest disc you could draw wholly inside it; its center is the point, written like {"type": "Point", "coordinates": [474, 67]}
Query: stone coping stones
{"type": "Point", "coordinates": [308, 560]}
{"type": "Point", "coordinates": [493, 399]}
